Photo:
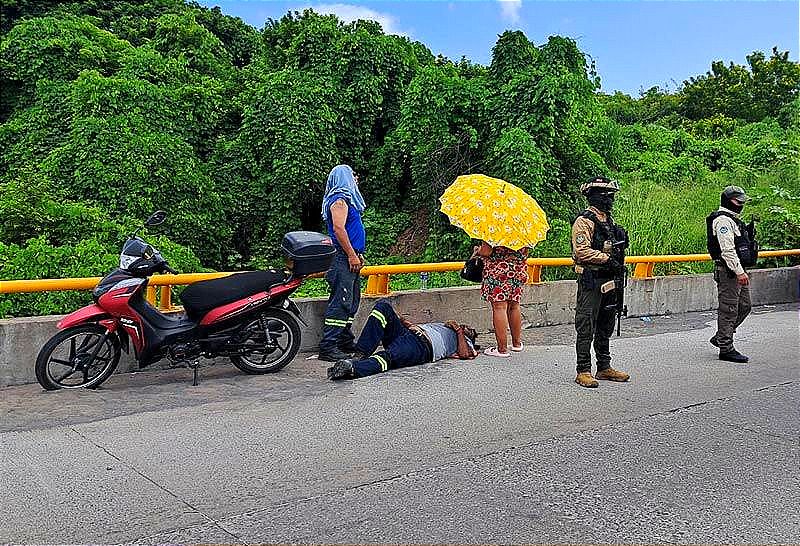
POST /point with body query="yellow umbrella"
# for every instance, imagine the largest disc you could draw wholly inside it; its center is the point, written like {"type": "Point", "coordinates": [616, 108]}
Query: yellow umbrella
{"type": "Point", "coordinates": [495, 211]}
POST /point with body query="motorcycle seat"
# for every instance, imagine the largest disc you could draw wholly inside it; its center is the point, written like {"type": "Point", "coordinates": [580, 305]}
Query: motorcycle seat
{"type": "Point", "coordinates": [201, 297]}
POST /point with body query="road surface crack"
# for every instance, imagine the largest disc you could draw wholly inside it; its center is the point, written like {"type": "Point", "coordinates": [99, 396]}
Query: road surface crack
{"type": "Point", "coordinates": [159, 486]}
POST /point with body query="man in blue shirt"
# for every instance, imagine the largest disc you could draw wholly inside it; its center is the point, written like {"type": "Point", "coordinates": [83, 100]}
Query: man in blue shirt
{"type": "Point", "coordinates": [404, 344]}
{"type": "Point", "coordinates": [342, 207]}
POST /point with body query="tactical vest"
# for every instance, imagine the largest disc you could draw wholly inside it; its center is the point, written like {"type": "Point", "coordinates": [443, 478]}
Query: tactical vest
{"type": "Point", "coordinates": [745, 244]}
{"type": "Point", "coordinates": [601, 233]}
{"type": "Point", "coordinates": [602, 230]}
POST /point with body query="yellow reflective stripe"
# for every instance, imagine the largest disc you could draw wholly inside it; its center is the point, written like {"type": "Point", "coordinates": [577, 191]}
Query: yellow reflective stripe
{"type": "Point", "coordinates": [382, 362]}
{"type": "Point", "coordinates": [350, 320]}
{"type": "Point", "coordinates": [378, 315]}
{"type": "Point", "coordinates": [335, 322]}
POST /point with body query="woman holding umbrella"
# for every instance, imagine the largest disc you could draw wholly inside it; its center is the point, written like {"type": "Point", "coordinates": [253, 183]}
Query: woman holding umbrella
{"type": "Point", "coordinates": [509, 222]}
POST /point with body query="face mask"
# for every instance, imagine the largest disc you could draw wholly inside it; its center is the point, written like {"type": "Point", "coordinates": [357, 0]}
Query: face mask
{"type": "Point", "coordinates": [732, 205]}
{"type": "Point", "coordinates": [603, 201]}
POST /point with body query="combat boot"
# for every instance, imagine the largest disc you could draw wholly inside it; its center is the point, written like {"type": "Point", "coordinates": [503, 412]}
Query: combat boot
{"type": "Point", "coordinates": [733, 356]}
{"type": "Point", "coordinates": [585, 379]}
{"type": "Point", "coordinates": [343, 369]}
{"type": "Point", "coordinates": [610, 374]}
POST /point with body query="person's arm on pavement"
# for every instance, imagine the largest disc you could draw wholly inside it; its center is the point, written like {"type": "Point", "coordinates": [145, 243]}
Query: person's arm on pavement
{"type": "Point", "coordinates": [723, 229]}
{"type": "Point", "coordinates": [464, 350]}
{"type": "Point", "coordinates": [339, 210]}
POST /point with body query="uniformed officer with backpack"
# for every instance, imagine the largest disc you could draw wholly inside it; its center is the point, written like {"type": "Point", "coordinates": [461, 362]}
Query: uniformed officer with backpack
{"type": "Point", "coordinates": [598, 249]}
{"type": "Point", "coordinates": [733, 248]}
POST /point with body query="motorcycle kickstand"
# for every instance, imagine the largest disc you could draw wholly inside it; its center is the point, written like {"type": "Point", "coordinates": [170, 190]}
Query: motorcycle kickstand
{"type": "Point", "coordinates": [194, 365]}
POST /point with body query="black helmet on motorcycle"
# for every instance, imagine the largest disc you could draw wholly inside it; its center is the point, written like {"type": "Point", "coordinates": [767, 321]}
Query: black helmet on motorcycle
{"type": "Point", "coordinates": [138, 257]}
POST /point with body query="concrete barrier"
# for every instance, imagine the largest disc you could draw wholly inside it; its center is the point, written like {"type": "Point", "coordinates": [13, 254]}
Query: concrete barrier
{"type": "Point", "coordinates": [542, 305]}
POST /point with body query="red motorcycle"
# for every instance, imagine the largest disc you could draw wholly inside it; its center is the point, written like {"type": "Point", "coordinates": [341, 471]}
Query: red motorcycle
{"type": "Point", "coordinates": [247, 317]}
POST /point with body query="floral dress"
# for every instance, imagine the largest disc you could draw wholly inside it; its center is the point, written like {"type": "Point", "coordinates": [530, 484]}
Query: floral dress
{"type": "Point", "coordinates": [504, 274]}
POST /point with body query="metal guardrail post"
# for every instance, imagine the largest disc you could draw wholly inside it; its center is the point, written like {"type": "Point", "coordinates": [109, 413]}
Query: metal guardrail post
{"type": "Point", "coordinates": [377, 285]}
{"type": "Point", "coordinates": [372, 286]}
{"type": "Point", "coordinates": [534, 274]}
{"type": "Point", "coordinates": [150, 295]}
{"type": "Point", "coordinates": [165, 298]}
{"type": "Point", "coordinates": [644, 270]}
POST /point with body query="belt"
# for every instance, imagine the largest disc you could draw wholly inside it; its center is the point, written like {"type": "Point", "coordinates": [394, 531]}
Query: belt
{"type": "Point", "coordinates": [599, 273]}
{"type": "Point", "coordinates": [426, 341]}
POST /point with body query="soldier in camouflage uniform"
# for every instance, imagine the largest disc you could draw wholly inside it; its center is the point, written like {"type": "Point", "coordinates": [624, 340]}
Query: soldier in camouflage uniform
{"type": "Point", "coordinates": [597, 262]}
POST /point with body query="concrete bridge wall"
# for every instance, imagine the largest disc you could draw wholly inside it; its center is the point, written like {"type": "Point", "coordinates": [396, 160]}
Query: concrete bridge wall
{"type": "Point", "coordinates": [542, 305]}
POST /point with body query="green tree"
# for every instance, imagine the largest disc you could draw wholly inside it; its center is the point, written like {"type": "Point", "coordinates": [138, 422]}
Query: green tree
{"type": "Point", "coordinates": [762, 88]}
{"type": "Point", "coordinates": [278, 163]}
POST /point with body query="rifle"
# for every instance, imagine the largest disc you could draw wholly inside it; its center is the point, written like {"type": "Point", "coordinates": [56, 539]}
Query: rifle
{"type": "Point", "coordinates": [619, 244]}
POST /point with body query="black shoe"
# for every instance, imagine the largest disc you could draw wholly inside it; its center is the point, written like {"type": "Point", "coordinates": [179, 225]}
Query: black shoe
{"type": "Point", "coordinates": [343, 369]}
{"type": "Point", "coordinates": [348, 347]}
{"type": "Point", "coordinates": [713, 341]}
{"type": "Point", "coordinates": [333, 355]}
{"type": "Point", "coordinates": [733, 356]}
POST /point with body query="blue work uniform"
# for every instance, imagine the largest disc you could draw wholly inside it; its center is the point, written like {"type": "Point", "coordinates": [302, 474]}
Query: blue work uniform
{"type": "Point", "coordinates": [402, 346]}
{"type": "Point", "coordinates": [345, 286]}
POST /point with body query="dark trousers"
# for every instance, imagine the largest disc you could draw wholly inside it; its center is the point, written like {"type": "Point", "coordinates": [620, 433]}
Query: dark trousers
{"type": "Point", "coordinates": [342, 304]}
{"type": "Point", "coordinates": [734, 306]}
{"type": "Point", "coordinates": [594, 322]}
{"type": "Point", "coordinates": [402, 347]}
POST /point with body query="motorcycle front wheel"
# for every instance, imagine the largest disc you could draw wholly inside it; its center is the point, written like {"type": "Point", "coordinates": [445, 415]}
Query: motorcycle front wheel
{"type": "Point", "coordinates": [268, 343]}
{"type": "Point", "coordinates": [81, 357]}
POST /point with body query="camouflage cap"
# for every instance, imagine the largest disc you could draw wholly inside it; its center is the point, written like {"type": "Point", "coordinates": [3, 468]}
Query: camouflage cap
{"type": "Point", "coordinates": [599, 182]}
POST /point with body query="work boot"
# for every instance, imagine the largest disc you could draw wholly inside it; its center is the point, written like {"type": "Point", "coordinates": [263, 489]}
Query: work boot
{"type": "Point", "coordinates": [713, 341]}
{"type": "Point", "coordinates": [343, 369]}
{"type": "Point", "coordinates": [733, 356]}
{"type": "Point", "coordinates": [348, 347]}
{"type": "Point", "coordinates": [610, 374]}
{"type": "Point", "coordinates": [332, 355]}
{"type": "Point", "coordinates": [585, 379]}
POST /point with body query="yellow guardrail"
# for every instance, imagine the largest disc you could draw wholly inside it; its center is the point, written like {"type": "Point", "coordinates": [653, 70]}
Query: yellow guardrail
{"type": "Point", "coordinates": [159, 287]}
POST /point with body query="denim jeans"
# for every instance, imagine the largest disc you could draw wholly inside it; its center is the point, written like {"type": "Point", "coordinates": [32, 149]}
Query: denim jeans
{"type": "Point", "coordinates": [342, 304]}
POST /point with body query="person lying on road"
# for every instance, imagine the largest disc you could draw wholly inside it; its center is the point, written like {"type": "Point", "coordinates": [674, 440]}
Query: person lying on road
{"type": "Point", "coordinates": [404, 344]}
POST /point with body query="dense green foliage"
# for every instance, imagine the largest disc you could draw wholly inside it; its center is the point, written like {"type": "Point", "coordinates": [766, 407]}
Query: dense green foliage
{"type": "Point", "coordinates": [110, 110]}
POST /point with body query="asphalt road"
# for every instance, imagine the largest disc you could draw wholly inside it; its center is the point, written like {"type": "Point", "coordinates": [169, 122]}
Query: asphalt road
{"type": "Point", "coordinates": [692, 450]}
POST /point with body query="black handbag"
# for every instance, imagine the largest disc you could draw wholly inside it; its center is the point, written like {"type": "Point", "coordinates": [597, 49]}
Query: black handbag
{"type": "Point", "coordinates": [473, 270]}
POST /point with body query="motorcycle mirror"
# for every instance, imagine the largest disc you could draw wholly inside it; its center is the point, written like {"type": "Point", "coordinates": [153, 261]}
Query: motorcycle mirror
{"type": "Point", "coordinates": [156, 219]}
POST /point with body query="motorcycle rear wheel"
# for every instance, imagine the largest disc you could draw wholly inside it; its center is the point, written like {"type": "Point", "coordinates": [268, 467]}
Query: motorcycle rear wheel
{"type": "Point", "coordinates": [271, 349]}
{"type": "Point", "coordinates": [81, 357]}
